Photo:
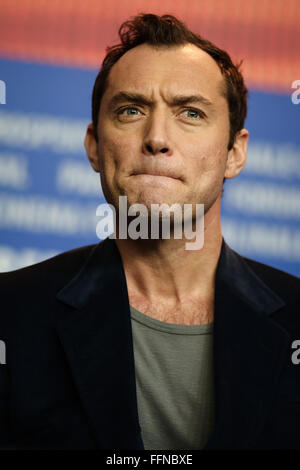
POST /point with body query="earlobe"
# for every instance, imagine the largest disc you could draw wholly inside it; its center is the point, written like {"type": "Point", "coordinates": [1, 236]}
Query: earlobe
{"type": "Point", "coordinates": [237, 156]}
{"type": "Point", "coordinates": [91, 148]}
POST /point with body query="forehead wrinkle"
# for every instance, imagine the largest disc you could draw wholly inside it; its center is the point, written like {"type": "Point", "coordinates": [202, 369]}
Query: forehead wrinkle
{"type": "Point", "coordinates": [175, 100]}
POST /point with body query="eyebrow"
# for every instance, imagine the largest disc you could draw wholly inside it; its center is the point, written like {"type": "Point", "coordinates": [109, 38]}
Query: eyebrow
{"type": "Point", "coordinates": [178, 100]}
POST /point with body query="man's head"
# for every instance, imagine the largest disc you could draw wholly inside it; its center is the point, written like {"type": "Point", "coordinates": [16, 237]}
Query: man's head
{"type": "Point", "coordinates": [189, 104]}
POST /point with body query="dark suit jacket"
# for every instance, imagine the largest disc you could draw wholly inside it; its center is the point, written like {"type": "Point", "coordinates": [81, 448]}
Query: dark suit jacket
{"type": "Point", "coordinates": [69, 378]}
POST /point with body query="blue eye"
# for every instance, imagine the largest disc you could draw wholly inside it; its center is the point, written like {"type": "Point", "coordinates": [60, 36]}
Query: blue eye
{"type": "Point", "coordinates": [193, 113]}
{"type": "Point", "coordinates": [128, 111]}
{"type": "Point", "coordinates": [132, 109]}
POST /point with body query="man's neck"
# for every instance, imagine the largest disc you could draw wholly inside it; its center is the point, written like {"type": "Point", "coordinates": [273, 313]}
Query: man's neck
{"type": "Point", "coordinates": [170, 283]}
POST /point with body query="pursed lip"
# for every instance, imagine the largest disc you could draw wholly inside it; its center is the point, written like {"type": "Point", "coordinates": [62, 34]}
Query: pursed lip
{"type": "Point", "coordinates": [157, 173]}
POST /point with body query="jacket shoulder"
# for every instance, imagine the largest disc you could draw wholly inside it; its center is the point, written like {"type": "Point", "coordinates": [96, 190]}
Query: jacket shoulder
{"type": "Point", "coordinates": [56, 270]}
{"type": "Point", "coordinates": [286, 285]}
{"type": "Point", "coordinates": [28, 295]}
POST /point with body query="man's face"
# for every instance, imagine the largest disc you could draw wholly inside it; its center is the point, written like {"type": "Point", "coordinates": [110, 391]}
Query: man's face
{"type": "Point", "coordinates": [163, 128]}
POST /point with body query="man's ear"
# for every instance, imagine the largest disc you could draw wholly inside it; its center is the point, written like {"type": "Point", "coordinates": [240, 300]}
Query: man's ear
{"type": "Point", "coordinates": [91, 148]}
{"type": "Point", "coordinates": [237, 156]}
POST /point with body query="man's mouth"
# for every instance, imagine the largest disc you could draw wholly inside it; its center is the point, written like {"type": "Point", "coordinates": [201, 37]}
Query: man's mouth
{"type": "Point", "coordinates": [157, 173]}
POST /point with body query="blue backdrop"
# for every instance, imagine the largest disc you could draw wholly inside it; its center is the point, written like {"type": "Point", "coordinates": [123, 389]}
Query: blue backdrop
{"type": "Point", "coordinates": [49, 193]}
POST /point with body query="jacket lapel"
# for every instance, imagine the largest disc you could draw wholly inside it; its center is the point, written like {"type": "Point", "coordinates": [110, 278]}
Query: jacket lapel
{"type": "Point", "coordinates": [249, 350]}
{"type": "Point", "coordinates": [97, 338]}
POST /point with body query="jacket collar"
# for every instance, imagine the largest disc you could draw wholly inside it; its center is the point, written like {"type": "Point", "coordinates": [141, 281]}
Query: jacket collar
{"type": "Point", "coordinates": [249, 349]}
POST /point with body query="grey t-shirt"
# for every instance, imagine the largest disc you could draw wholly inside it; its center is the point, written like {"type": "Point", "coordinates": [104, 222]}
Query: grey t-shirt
{"type": "Point", "coordinates": [175, 386]}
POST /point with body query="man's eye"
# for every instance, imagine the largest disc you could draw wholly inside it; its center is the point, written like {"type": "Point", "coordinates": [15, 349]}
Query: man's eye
{"type": "Point", "coordinates": [193, 113]}
{"type": "Point", "coordinates": [128, 111]}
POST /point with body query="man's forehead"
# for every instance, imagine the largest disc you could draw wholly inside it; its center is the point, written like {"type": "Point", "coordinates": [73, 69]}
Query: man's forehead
{"type": "Point", "coordinates": [179, 68]}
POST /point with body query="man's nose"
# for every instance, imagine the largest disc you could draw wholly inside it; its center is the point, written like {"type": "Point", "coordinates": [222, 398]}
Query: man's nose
{"type": "Point", "coordinates": [156, 141]}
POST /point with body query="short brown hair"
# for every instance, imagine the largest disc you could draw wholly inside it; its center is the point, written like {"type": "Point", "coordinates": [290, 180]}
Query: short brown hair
{"type": "Point", "coordinates": [168, 31]}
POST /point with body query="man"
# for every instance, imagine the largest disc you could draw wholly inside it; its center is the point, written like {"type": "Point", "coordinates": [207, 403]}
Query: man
{"type": "Point", "coordinates": [141, 343]}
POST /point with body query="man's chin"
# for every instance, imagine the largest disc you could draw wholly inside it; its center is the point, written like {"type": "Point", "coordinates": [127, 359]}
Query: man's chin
{"type": "Point", "coordinates": [156, 207]}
